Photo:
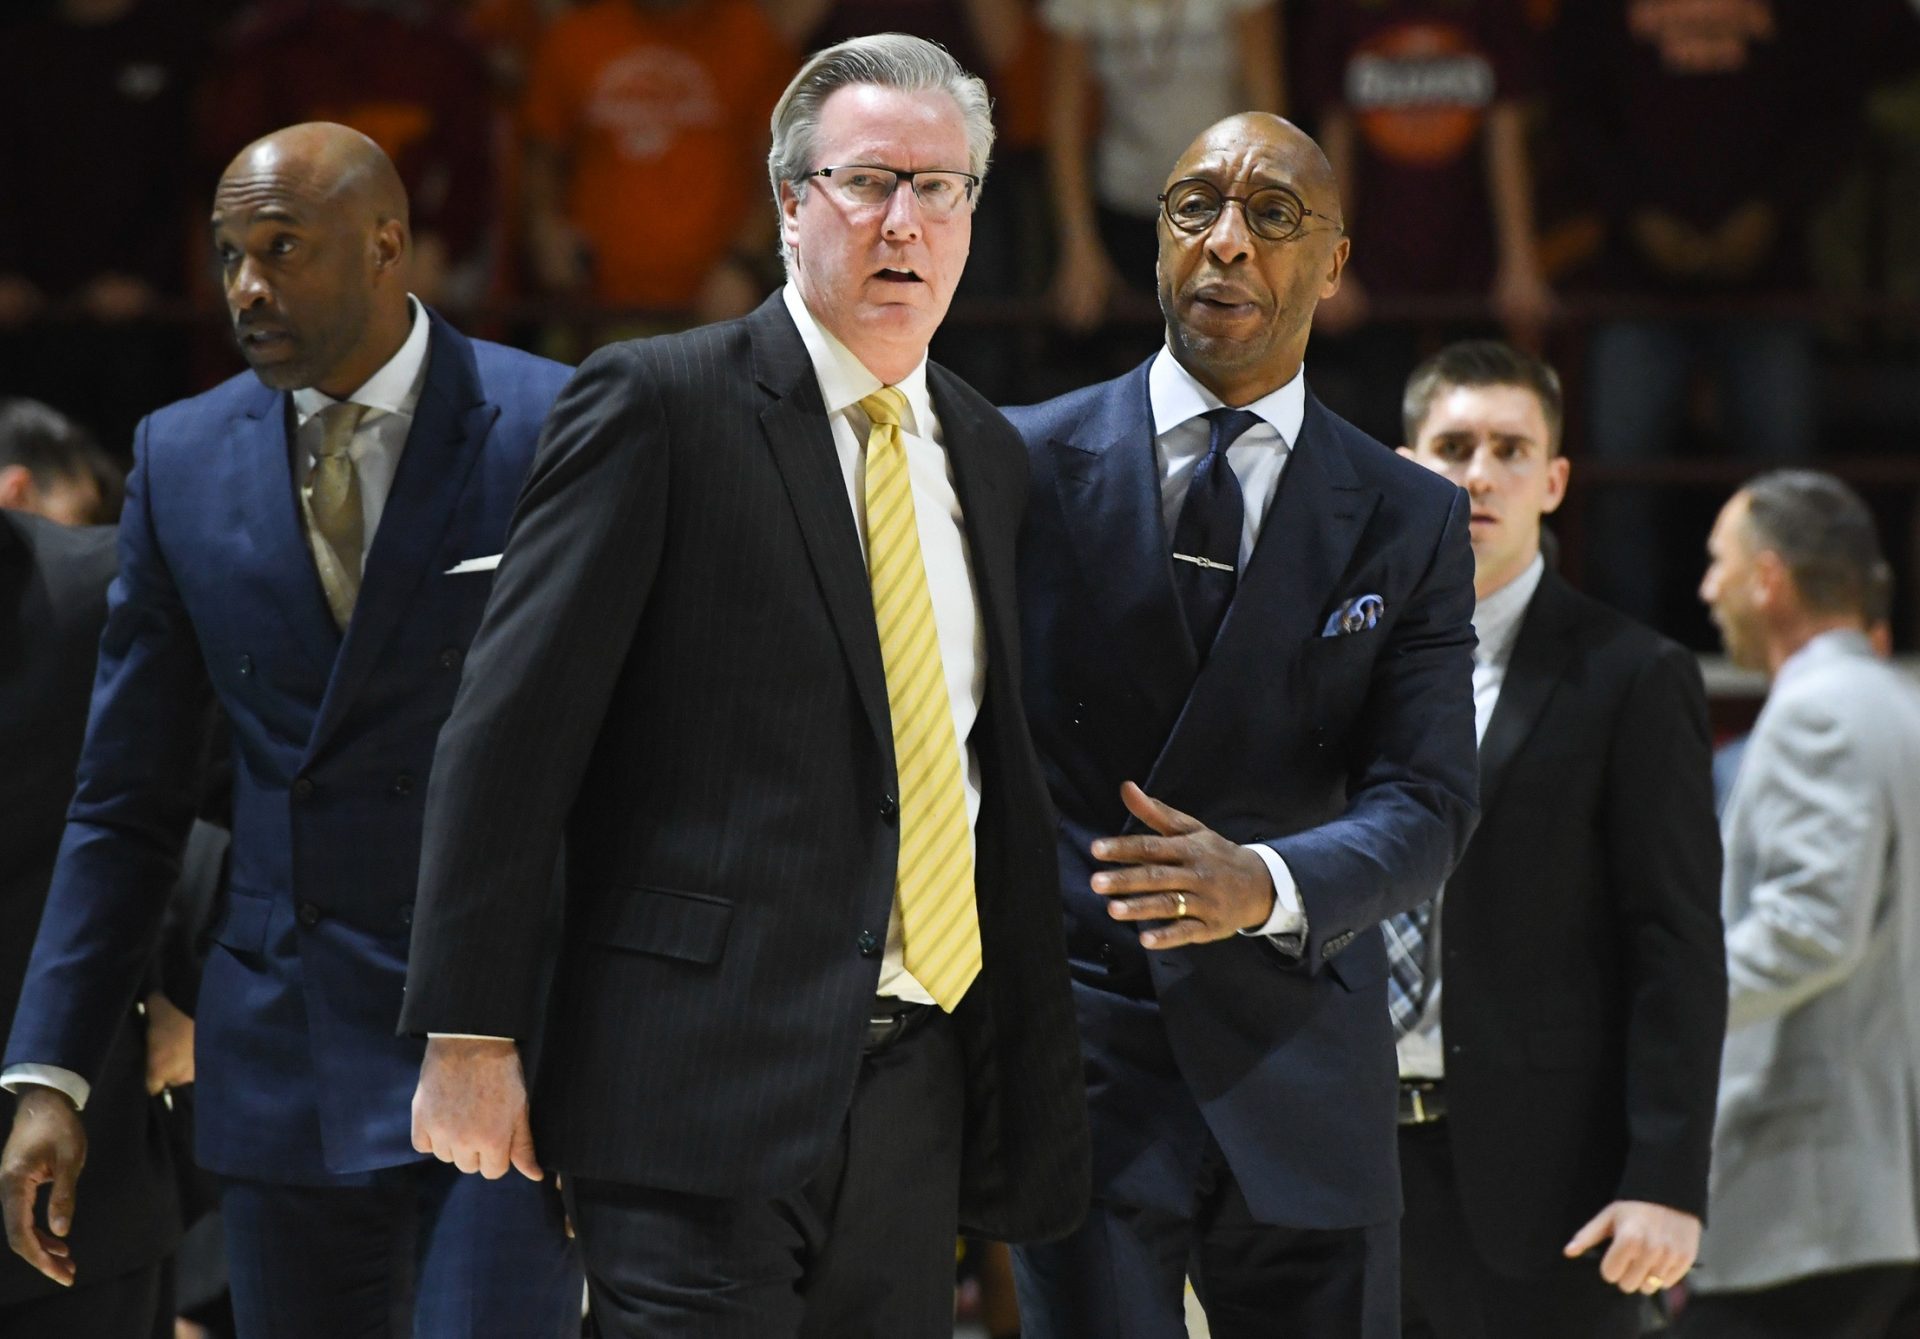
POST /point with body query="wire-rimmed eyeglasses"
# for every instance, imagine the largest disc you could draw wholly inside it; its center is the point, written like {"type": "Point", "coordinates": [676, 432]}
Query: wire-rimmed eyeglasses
{"type": "Point", "coordinates": [1276, 213]}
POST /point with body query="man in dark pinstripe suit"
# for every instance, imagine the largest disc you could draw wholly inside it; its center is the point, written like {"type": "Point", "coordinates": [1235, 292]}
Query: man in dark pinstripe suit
{"type": "Point", "coordinates": [774, 1103]}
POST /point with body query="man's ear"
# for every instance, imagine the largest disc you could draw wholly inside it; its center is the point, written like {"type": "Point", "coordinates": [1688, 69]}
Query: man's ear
{"type": "Point", "coordinates": [1336, 266]}
{"type": "Point", "coordinates": [16, 488]}
{"type": "Point", "coordinates": [389, 243]}
{"type": "Point", "coordinates": [1772, 582]}
{"type": "Point", "coordinates": [789, 216]}
{"type": "Point", "coordinates": [1558, 469]}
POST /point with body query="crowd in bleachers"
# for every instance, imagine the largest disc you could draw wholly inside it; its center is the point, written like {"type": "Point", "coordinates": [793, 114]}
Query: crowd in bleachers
{"type": "Point", "coordinates": [1695, 206]}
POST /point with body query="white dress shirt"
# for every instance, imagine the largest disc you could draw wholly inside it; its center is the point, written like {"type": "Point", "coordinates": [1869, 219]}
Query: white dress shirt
{"type": "Point", "coordinates": [1258, 457]}
{"type": "Point", "coordinates": [1496, 622]}
{"type": "Point", "coordinates": [844, 382]}
{"type": "Point", "coordinates": [390, 395]}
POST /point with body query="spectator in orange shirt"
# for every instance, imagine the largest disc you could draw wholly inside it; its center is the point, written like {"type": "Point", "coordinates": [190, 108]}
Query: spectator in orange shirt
{"type": "Point", "coordinates": [646, 125]}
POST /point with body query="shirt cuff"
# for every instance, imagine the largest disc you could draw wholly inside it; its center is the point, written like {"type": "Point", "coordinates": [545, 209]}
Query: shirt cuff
{"type": "Point", "coordinates": [466, 1036]}
{"type": "Point", "coordinates": [1287, 926]}
{"type": "Point", "coordinates": [60, 1080]}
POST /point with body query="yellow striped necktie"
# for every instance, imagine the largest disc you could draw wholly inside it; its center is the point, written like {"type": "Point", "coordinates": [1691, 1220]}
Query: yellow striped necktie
{"type": "Point", "coordinates": [939, 926]}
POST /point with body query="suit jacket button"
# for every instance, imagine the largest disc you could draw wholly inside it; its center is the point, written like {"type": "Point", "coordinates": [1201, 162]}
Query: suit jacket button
{"type": "Point", "coordinates": [450, 658]}
{"type": "Point", "coordinates": [403, 784]}
{"type": "Point", "coordinates": [246, 665]}
{"type": "Point", "coordinates": [406, 915]}
{"type": "Point", "coordinates": [302, 788]}
{"type": "Point", "coordinates": [869, 944]}
{"type": "Point", "coordinates": [307, 914]}
{"type": "Point", "coordinates": [889, 810]}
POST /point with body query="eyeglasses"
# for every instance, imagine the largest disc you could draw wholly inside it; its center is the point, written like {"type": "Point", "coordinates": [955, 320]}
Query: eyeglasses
{"type": "Point", "coordinates": [1275, 213]}
{"type": "Point", "coordinates": [940, 193]}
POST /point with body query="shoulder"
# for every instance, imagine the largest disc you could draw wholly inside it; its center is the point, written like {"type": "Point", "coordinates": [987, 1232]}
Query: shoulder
{"type": "Point", "coordinates": [1036, 423]}
{"type": "Point", "coordinates": [1399, 480]}
{"type": "Point", "coordinates": [1614, 639]}
{"type": "Point", "coordinates": [79, 559]}
{"type": "Point", "coordinates": [509, 372]}
{"type": "Point", "coordinates": [188, 421]}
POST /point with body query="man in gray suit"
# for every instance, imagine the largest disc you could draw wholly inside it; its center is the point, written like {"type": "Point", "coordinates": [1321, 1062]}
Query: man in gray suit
{"type": "Point", "coordinates": [1814, 1200]}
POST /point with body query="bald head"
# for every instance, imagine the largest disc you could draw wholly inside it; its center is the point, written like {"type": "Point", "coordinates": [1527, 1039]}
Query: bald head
{"type": "Point", "coordinates": [1260, 241]}
{"type": "Point", "coordinates": [310, 224]}
{"type": "Point", "coordinates": [1284, 145]}
{"type": "Point", "coordinates": [334, 165]}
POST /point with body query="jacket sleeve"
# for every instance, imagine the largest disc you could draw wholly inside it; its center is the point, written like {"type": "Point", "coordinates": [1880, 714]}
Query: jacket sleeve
{"type": "Point", "coordinates": [1825, 826]}
{"type": "Point", "coordinates": [579, 561]}
{"type": "Point", "coordinates": [1414, 768]}
{"type": "Point", "coordinates": [132, 806]}
{"type": "Point", "coordinates": [1663, 856]}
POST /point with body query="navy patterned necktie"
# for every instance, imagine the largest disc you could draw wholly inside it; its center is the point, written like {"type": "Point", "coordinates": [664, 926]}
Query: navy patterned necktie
{"type": "Point", "coordinates": [1206, 539]}
{"type": "Point", "coordinates": [1408, 934]}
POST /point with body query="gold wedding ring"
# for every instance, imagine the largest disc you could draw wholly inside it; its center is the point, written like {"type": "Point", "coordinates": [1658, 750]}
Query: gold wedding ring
{"type": "Point", "coordinates": [1657, 1282]}
{"type": "Point", "coordinates": [1179, 904]}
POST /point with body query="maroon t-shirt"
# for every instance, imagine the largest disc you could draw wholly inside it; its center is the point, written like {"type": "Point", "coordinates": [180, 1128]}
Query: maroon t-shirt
{"type": "Point", "coordinates": [1418, 78]}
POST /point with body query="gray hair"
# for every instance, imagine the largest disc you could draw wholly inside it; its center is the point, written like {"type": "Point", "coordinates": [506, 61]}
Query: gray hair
{"type": "Point", "coordinates": [890, 60]}
{"type": "Point", "coordinates": [1824, 535]}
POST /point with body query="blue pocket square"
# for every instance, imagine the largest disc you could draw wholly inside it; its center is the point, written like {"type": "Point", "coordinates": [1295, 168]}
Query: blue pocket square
{"type": "Point", "coordinates": [1356, 615]}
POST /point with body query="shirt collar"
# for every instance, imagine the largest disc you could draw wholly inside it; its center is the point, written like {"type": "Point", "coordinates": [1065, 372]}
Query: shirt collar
{"type": "Point", "coordinates": [1496, 619]}
{"type": "Point", "coordinates": [844, 379]}
{"type": "Point", "coordinates": [394, 389]}
{"type": "Point", "coordinates": [1833, 644]}
{"type": "Point", "coordinates": [1177, 396]}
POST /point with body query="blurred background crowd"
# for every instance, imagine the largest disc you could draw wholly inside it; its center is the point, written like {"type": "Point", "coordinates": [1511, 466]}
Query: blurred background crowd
{"type": "Point", "coordinates": [1702, 211]}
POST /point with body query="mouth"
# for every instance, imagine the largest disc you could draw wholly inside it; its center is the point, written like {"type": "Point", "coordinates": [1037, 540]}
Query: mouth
{"type": "Point", "coordinates": [1482, 518]}
{"type": "Point", "coordinates": [263, 339]}
{"type": "Point", "coordinates": [894, 274]}
{"type": "Point", "coordinates": [1227, 299]}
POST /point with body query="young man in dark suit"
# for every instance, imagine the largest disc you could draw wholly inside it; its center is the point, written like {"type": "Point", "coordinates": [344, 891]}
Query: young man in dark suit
{"type": "Point", "coordinates": [1248, 675]}
{"type": "Point", "coordinates": [754, 654]}
{"type": "Point", "coordinates": [296, 551]}
{"type": "Point", "coordinates": [1560, 1004]}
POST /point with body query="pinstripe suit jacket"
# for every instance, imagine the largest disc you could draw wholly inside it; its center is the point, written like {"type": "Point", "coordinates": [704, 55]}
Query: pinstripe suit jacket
{"type": "Point", "coordinates": [679, 672]}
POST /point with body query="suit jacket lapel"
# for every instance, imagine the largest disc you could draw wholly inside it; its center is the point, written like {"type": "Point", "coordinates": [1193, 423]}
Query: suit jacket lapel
{"type": "Point", "coordinates": [263, 459]}
{"type": "Point", "coordinates": [1307, 539]}
{"type": "Point", "coordinates": [1108, 475]}
{"type": "Point", "coordinates": [795, 421]}
{"type": "Point", "coordinates": [450, 425]}
{"type": "Point", "coordinates": [1540, 654]}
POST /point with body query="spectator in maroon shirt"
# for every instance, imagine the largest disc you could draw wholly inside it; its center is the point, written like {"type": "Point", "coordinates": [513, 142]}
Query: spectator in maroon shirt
{"type": "Point", "coordinates": [1704, 132]}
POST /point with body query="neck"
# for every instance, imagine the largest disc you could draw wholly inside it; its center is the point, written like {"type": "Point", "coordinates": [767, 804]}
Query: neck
{"type": "Point", "coordinates": [1486, 583]}
{"type": "Point", "coordinates": [383, 340]}
{"type": "Point", "coordinates": [1236, 387]}
{"type": "Point", "coordinates": [1791, 637]}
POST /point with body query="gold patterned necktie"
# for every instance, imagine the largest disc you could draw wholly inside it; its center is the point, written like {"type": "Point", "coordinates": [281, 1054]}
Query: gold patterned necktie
{"type": "Point", "coordinates": [330, 501]}
{"type": "Point", "coordinates": [933, 883]}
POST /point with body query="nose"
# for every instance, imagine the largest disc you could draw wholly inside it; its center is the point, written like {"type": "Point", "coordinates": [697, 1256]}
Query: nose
{"type": "Point", "coordinates": [1479, 480]}
{"type": "Point", "coordinates": [1709, 587]}
{"type": "Point", "coordinates": [246, 287]}
{"type": "Point", "coordinates": [1229, 239]}
{"type": "Point", "coordinates": [903, 218]}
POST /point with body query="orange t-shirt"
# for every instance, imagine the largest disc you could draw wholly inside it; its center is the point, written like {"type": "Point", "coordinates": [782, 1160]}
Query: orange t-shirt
{"type": "Point", "coordinates": [663, 119]}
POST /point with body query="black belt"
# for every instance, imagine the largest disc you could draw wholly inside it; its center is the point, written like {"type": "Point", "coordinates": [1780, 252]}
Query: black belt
{"type": "Point", "coordinates": [893, 1018]}
{"type": "Point", "coordinates": [1422, 1101]}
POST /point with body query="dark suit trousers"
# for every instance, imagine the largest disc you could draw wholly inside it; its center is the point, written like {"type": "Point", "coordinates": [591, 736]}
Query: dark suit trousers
{"type": "Point", "coordinates": [864, 1250]}
{"type": "Point", "coordinates": [423, 1251]}
{"type": "Point", "coordinates": [1449, 1292]}
{"type": "Point", "coordinates": [134, 1305]}
{"type": "Point", "coordinates": [1878, 1302]}
{"type": "Point", "coordinates": [1122, 1274]}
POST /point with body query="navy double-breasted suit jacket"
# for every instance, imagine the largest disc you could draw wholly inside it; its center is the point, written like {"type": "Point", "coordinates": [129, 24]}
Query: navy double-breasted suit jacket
{"type": "Point", "coordinates": [1351, 755]}
{"type": "Point", "coordinates": [301, 1076]}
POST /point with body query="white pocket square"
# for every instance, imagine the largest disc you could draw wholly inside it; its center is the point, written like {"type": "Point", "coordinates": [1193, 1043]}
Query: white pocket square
{"type": "Point", "coordinates": [486, 564]}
